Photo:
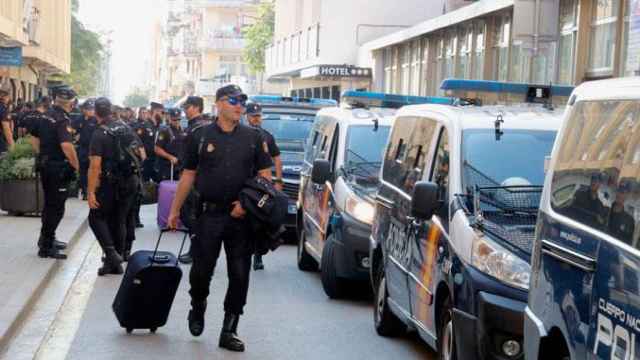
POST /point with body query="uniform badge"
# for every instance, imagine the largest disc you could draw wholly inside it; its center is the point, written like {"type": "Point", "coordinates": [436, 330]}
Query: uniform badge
{"type": "Point", "coordinates": [210, 147]}
{"type": "Point", "coordinates": [139, 131]}
{"type": "Point", "coordinates": [160, 137]}
{"type": "Point", "coordinates": [265, 147]}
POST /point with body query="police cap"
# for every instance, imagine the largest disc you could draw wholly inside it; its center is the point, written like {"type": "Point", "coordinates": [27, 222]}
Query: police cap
{"type": "Point", "coordinates": [88, 104]}
{"type": "Point", "coordinates": [155, 106]}
{"type": "Point", "coordinates": [230, 91]}
{"type": "Point", "coordinates": [174, 113]}
{"type": "Point", "coordinates": [195, 101]}
{"type": "Point", "coordinates": [103, 107]}
{"type": "Point", "coordinates": [65, 93]}
{"type": "Point", "coordinates": [254, 109]}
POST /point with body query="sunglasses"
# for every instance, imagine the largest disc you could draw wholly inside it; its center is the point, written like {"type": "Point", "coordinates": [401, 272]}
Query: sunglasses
{"type": "Point", "coordinates": [237, 101]}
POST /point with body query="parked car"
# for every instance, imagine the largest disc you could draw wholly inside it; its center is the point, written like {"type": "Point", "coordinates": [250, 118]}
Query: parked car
{"type": "Point", "coordinates": [584, 301]}
{"type": "Point", "coordinates": [455, 216]}
{"type": "Point", "coordinates": [289, 120]}
{"type": "Point", "coordinates": [340, 177]}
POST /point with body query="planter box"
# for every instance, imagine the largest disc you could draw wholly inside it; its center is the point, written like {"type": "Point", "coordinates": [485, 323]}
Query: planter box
{"type": "Point", "coordinates": [19, 197]}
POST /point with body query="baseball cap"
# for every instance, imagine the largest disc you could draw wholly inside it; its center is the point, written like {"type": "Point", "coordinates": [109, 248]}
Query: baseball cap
{"type": "Point", "coordinates": [174, 113]}
{"type": "Point", "coordinates": [155, 105]}
{"type": "Point", "coordinates": [254, 109]}
{"type": "Point", "coordinates": [89, 104]}
{"type": "Point", "coordinates": [195, 101]}
{"type": "Point", "coordinates": [230, 91]}
{"type": "Point", "coordinates": [103, 106]}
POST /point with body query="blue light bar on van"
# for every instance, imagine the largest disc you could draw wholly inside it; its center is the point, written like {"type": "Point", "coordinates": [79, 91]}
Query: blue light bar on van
{"type": "Point", "coordinates": [382, 100]}
{"type": "Point", "coordinates": [276, 99]}
{"type": "Point", "coordinates": [505, 91]}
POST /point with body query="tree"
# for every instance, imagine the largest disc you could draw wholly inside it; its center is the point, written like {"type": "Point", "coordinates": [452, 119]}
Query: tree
{"type": "Point", "coordinates": [137, 98]}
{"type": "Point", "coordinates": [258, 36]}
{"type": "Point", "coordinates": [87, 54]}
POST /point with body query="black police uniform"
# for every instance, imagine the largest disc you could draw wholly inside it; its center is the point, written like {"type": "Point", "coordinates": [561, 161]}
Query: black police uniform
{"type": "Point", "coordinates": [146, 131]}
{"type": "Point", "coordinates": [4, 118]}
{"type": "Point", "coordinates": [171, 140]}
{"type": "Point", "coordinates": [55, 171]}
{"type": "Point", "coordinates": [84, 128]}
{"type": "Point", "coordinates": [116, 193]}
{"type": "Point", "coordinates": [224, 161]}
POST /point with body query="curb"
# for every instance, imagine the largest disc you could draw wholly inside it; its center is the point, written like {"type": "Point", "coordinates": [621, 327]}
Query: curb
{"type": "Point", "coordinates": [9, 330]}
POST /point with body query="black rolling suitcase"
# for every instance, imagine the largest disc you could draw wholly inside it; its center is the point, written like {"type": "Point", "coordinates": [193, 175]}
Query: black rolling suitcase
{"type": "Point", "coordinates": [148, 288]}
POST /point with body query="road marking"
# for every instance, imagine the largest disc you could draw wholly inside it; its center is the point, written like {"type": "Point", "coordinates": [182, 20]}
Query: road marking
{"type": "Point", "coordinates": [62, 332]}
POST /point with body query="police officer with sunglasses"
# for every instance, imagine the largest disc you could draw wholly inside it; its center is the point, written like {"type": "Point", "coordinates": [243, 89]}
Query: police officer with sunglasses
{"type": "Point", "coordinates": [218, 160]}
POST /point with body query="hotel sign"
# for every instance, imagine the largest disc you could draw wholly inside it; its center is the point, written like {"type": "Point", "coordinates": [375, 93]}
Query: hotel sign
{"type": "Point", "coordinates": [339, 71]}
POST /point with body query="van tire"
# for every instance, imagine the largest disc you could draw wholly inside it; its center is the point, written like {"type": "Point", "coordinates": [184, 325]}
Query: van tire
{"type": "Point", "coordinates": [333, 285]}
{"type": "Point", "coordinates": [305, 261]}
{"type": "Point", "coordinates": [446, 333]}
{"type": "Point", "coordinates": [387, 324]}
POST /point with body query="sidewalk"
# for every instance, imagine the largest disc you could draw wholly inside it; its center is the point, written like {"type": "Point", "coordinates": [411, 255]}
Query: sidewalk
{"type": "Point", "coordinates": [23, 275]}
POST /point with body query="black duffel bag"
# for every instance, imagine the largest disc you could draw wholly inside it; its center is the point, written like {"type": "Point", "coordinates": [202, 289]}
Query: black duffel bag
{"type": "Point", "coordinates": [267, 209]}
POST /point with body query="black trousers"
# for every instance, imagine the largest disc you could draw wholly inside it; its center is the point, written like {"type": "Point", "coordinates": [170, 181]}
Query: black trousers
{"type": "Point", "coordinates": [149, 169]}
{"type": "Point", "coordinates": [214, 230]}
{"type": "Point", "coordinates": [109, 221]}
{"type": "Point", "coordinates": [83, 178]}
{"type": "Point", "coordinates": [55, 196]}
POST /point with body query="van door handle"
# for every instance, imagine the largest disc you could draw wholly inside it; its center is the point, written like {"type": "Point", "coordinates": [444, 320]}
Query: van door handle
{"type": "Point", "coordinates": [570, 257]}
{"type": "Point", "coordinates": [385, 202]}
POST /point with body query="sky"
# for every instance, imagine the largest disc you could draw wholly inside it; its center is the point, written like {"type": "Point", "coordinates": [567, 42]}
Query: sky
{"type": "Point", "coordinates": [130, 23]}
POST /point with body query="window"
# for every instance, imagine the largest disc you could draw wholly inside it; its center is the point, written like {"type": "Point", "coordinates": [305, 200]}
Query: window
{"type": "Point", "coordinates": [567, 41]}
{"type": "Point", "coordinates": [388, 67]}
{"type": "Point", "coordinates": [631, 40]}
{"type": "Point", "coordinates": [406, 68]}
{"type": "Point", "coordinates": [317, 92]}
{"type": "Point", "coordinates": [312, 146]}
{"type": "Point", "coordinates": [326, 92]}
{"type": "Point", "coordinates": [502, 34]}
{"type": "Point", "coordinates": [416, 60]}
{"type": "Point", "coordinates": [603, 37]}
{"type": "Point", "coordinates": [401, 151]}
{"type": "Point", "coordinates": [465, 51]}
{"type": "Point", "coordinates": [424, 81]}
{"type": "Point", "coordinates": [597, 185]}
{"type": "Point", "coordinates": [520, 63]}
{"type": "Point", "coordinates": [440, 175]}
{"type": "Point", "coordinates": [397, 53]}
{"type": "Point", "coordinates": [451, 49]}
{"type": "Point", "coordinates": [478, 66]}
{"type": "Point", "coordinates": [335, 92]}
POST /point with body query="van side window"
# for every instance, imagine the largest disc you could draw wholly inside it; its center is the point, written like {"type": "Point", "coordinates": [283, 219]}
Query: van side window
{"type": "Point", "coordinates": [333, 154]}
{"type": "Point", "coordinates": [595, 179]}
{"type": "Point", "coordinates": [440, 174]}
{"type": "Point", "coordinates": [407, 151]}
{"type": "Point", "coordinates": [312, 146]}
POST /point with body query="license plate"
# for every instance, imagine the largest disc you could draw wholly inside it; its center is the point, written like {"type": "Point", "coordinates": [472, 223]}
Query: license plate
{"type": "Point", "coordinates": [293, 209]}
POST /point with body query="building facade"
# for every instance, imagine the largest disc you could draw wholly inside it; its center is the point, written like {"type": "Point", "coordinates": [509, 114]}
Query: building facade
{"type": "Point", "coordinates": [35, 43]}
{"type": "Point", "coordinates": [562, 41]}
{"type": "Point", "coordinates": [316, 42]}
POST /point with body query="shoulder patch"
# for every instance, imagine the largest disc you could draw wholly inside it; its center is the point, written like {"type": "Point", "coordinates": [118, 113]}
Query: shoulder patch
{"type": "Point", "coordinates": [211, 147]}
{"type": "Point", "coordinates": [265, 147]}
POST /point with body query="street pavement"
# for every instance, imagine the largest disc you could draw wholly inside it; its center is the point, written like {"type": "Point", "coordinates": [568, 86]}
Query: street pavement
{"type": "Point", "coordinates": [288, 316]}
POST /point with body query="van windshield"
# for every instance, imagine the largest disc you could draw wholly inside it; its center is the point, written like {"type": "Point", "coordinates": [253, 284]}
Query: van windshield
{"type": "Point", "coordinates": [364, 151]}
{"type": "Point", "coordinates": [515, 159]}
{"type": "Point", "coordinates": [289, 130]}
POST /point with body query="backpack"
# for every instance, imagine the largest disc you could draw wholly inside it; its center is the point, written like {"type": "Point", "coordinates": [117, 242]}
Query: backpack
{"type": "Point", "coordinates": [125, 163]}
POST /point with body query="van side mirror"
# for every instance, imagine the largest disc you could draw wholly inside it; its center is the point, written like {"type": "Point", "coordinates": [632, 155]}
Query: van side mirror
{"type": "Point", "coordinates": [321, 171]}
{"type": "Point", "coordinates": [424, 202]}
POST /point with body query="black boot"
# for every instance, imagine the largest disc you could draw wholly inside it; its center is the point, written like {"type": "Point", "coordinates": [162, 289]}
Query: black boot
{"type": "Point", "coordinates": [257, 262]}
{"type": "Point", "coordinates": [59, 244]}
{"type": "Point", "coordinates": [185, 258]}
{"type": "Point", "coordinates": [228, 337]}
{"type": "Point", "coordinates": [196, 318]}
{"type": "Point", "coordinates": [52, 253]}
{"type": "Point", "coordinates": [112, 263]}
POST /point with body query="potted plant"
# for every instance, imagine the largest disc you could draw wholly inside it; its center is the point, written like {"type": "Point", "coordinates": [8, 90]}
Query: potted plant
{"type": "Point", "coordinates": [20, 189]}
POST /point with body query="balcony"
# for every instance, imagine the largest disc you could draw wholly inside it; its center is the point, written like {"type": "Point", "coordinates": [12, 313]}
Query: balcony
{"type": "Point", "coordinates": [292, 51]}
{"type": "Point", "coordinates": [217, 43]}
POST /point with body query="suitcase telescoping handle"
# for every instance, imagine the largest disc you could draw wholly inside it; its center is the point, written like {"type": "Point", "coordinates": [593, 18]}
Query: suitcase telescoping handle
{"type": "Point", "coordinates": [161, 259]}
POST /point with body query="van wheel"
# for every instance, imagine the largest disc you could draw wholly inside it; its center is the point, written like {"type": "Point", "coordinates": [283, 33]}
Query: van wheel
{"type": "Point", "coordinates": [333, 285]}
{"type": "Point", "coordinates": [305, 261]}
{"type": "Point", "coordinates": [386, 322]}
{"type": "Point", "coordinates": [446, 339]}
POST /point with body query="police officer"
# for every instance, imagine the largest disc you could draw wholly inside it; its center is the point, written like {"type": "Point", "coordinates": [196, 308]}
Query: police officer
{"type": "Point", "coordinates": [113, 181]}
{"type": "Point", "coordinates": [146, 131]}
{"type": "Point", "coordinates": [31, 119]}
{"type": "Point", "coordinates": [6, 140]}
{"type": "Point", "coordinates": [168, 147]}
{"type": "Point", "coordinates": [57, 163]}
{"type": "Point", "coordinates": [192, 107]}
{"type": "Point", "coordinates": [84, 125]}
{"type": "Point", "coordinates": [218, 160]}
{"type": "Point", "coordinates": [254, 118]}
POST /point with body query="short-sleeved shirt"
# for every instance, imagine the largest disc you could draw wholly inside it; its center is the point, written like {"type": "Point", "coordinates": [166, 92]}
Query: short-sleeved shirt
{"type": "Point", "coordinates": [53, 129]}
{"type": "Point", "coordinates": [224, 161]}
{"type": "Point", "coordinates": [274, 150]}
{"type": "Point", "coordinates": [84, 129]}
{"type": "Point", "coordinates": [146, 131]}
{"type": "Point", "coordinates": [171, 140]}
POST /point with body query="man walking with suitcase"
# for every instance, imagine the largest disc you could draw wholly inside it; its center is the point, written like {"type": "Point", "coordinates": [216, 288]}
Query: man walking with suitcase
{"type": "Point", "coordinates": [218, 160]}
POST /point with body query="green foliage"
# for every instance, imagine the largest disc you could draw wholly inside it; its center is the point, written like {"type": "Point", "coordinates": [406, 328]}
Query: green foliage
{"type": "Point", "coordinates": [19, 163]}
{"type": "Point", "coordinates": [137, 98]}
{"type": "Point", "coordinates": [86, 57]}
{"type": "Point", "coordinates": [258, 36]}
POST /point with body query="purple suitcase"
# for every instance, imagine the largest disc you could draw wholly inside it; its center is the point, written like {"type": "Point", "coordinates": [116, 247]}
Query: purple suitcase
{"type": "Point", "coordinates": [166, 193]}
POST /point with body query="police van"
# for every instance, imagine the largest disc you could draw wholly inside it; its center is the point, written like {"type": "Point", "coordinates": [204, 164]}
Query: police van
{"type": "Point", "coordinates": [289, 120]}
{"type": "Point", "coordinates": [455, 216]}
{"type": "Point", "coordinates": [339, 179]}
{"type": "Point", "coordinates": [584, 301]}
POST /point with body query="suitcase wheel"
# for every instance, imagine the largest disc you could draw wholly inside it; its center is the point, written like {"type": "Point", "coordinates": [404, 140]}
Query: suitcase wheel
{"type": "Point", "coordinates": [153, 330]}
{"type": "Point", "coordinates": [129, 330]}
